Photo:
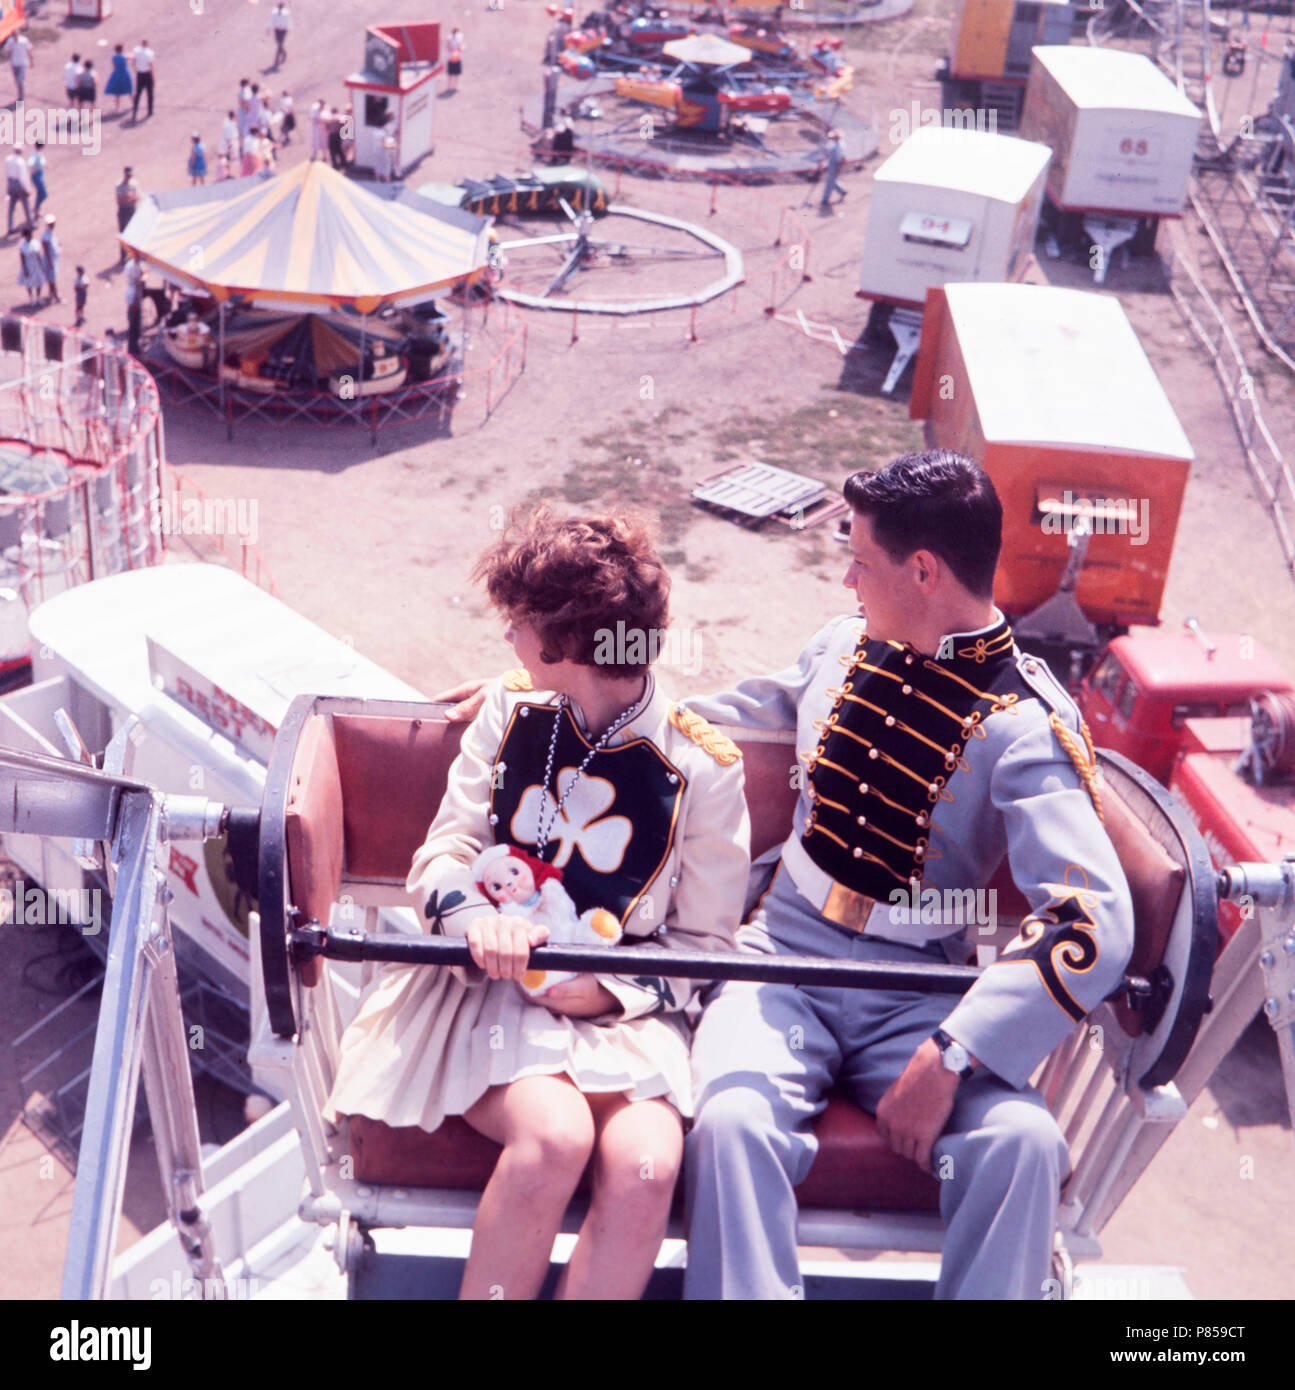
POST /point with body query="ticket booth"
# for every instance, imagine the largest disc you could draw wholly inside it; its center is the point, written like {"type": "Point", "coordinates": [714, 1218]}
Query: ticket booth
{"type": "Point", "coordinates": [396, 92]}
{"type": "Point", "coordinates": [89, 9]}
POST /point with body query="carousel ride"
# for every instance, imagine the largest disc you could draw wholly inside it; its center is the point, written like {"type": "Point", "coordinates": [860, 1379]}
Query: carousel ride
{"type": "Point", "coordinates": [305, 285]}
{"type": "Point", "coordinates": [661, 93]}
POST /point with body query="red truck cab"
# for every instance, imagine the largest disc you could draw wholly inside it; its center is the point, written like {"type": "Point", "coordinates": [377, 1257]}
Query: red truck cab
{"type": "Point", "coordinates": [1140, 694]}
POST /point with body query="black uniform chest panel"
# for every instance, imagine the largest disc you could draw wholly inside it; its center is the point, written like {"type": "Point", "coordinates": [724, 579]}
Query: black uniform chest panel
{"type": "Point", "coordinates": [890, 747]}
{"type": "Point", "coordinates": [619, 822]}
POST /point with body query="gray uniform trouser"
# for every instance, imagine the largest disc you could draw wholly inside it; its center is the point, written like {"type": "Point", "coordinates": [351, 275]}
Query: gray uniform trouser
{"type": "Point", "coordinates": [764, 1057]}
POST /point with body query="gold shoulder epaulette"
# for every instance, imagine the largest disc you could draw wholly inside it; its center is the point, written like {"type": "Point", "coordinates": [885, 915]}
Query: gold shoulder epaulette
{"type": "Point", "coordinates": [518, 679]}
{"type": "Point", "coordinates": [705, 736]}
{"type": "Point", "coordinates": [1085, 764]}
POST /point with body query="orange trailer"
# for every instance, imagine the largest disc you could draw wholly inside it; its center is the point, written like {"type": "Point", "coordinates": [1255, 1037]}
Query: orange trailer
{"type": "Point", "coordinates": [1050, 392]}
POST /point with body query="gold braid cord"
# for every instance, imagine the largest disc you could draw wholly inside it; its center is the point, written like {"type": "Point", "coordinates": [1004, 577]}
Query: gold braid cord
{"type": "Point", "coordinates": [705, 736]}
{"type": "Point", "coordinates": [1085, 765]}
{"type": "Point", "coordinates": [518, 679]}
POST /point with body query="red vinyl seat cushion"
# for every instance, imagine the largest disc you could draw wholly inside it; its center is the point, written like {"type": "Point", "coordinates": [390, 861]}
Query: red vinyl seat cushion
{"type": "Point", "coordinates": [853, 1168]}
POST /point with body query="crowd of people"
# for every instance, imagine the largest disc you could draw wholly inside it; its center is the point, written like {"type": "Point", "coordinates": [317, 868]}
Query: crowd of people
{"type": "Point", "coordinates": [255, 130]}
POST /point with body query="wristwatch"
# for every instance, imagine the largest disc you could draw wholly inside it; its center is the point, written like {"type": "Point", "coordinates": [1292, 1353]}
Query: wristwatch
{"type": "Point", "coordinates": [953, 1054]}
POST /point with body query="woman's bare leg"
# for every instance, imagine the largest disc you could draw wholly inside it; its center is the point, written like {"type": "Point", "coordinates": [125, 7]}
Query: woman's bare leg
{"type": "Point", "coordinates": [636, 1163]}
{"type": "Point", "coordinates": [547, 1131]}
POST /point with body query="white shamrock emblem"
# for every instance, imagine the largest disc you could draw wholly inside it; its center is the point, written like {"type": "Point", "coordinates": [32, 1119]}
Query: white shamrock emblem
{"type": "Point", "coordinates": [602, 843]}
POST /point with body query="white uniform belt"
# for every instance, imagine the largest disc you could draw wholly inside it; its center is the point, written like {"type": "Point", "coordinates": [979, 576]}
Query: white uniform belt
{"type": "Point", "coordinates": [882, 920]}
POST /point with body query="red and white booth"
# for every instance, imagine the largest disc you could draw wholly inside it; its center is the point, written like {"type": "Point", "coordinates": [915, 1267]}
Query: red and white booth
{"type": "Point", "coordinates": [401, 62]}
{"type": "Point", "coordinates": [89, 9]}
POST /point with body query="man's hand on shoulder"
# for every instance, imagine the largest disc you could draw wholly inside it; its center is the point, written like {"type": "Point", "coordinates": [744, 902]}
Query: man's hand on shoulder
{"type": "Point", "coordinates": [467, 700]}
{"type": "Point", "coordinates": [913, 1112]}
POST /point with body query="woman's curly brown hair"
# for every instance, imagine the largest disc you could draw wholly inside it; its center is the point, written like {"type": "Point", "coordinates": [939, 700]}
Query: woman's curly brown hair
{"type": "Point", "coordinates": [574, 579]}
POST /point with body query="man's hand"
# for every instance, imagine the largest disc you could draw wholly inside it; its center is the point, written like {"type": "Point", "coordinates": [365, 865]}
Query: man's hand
{"type": "Point", "coordinates": [582, 997]}
{"type": "Point", "coordinates": [467, 699]}
{"type": "Point", "coordinates": [913, 1112]}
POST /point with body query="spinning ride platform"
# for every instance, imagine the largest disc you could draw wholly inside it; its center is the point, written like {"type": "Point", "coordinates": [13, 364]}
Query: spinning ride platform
{"type": "Point", "coordinates": [780, 145]}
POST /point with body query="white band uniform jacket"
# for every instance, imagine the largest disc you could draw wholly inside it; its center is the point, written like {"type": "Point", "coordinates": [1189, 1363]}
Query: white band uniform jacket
{"type": "Point", "coordinates": [1008, 788]}
{"type": "Point", "coordinates": [428, 1042]}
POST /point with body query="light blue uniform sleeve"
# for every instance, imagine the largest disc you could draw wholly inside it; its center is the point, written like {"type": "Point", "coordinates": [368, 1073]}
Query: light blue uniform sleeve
{"type": "Point", "coordinates": [1073, 948]}
{"type": "Point", "coordinates": [769, 702]}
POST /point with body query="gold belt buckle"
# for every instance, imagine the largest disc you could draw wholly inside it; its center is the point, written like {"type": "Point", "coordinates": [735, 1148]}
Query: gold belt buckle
{"type": "Point", "coordinates": [847, 908]}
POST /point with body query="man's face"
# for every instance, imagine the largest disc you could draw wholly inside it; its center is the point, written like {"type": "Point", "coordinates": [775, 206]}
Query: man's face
{"type": "Point", "coordinates": [883, 586]}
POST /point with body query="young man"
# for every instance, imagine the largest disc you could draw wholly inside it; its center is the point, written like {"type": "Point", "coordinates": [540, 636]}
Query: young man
{"type": "Point", "coordinates": [15, 169]}
{"type": "Point", "coordinates": [280, 23]}
{"type": "Point", "coordinates": [20, 59]}
{"type": "Point", "coordinates": [127, 193]}
{"type": "Point", "coordinates": [931, 747]}
{"type": "Point", "coordinates": [145, 67]}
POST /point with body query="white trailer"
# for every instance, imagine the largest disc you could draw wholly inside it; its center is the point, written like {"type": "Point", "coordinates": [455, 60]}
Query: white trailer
{"type": "Point", "coordinates": [1122, 137]}
{"type": "Point", "coordinates": [208, 664]}
{"type": "Point", "coordinates": [949, 205]}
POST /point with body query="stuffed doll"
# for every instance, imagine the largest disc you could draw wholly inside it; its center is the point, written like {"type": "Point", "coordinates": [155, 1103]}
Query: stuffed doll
{"type": "Point", "coordinates": [523, 886]}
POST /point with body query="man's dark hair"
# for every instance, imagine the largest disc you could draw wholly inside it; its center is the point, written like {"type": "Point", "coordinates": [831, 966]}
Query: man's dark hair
{"type": "Point", "coordinates": [937, 501]}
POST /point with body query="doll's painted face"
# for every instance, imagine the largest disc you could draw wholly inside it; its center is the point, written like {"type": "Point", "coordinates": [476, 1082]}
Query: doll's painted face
{"type": "Point", "coordinates": [509, 881]}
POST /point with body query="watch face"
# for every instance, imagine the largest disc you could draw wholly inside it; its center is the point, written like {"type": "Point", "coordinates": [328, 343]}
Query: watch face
{"type": "Point", "coordinates": [955, 1057]}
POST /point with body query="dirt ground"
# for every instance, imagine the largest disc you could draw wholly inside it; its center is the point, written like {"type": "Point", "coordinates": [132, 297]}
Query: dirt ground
{"type": "Point", "coordinates": [375, 543]}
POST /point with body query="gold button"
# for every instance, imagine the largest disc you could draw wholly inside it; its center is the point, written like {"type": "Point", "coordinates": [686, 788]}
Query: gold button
{"type": "Point", "coordinates": [907, 689]}
{"type": "Point", "coordinates": [858, 853]}
{"type": "Point", "coordinates": [863, 788]}
{"type": "Point", "coordinates": [908, 661]}
{"type": "Point", "coordinates": [808, 822]}
{"type": "Point", "coordinates": [923, 819]}
{"type": "Point", "coordinates": [862, 820]}
{"type": "Point", "coordinates": [1031, 666]}
{"type": "Point", "coordinates": [919, 852]}
{"type": "Point", "coordinates": [872, 753]}
{"type": "Point", "coordinates": [934, 789]}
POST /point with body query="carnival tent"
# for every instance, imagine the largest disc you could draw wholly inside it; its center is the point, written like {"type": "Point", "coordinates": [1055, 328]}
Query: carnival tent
{"type": "Point", "coordinates": [308, 237]}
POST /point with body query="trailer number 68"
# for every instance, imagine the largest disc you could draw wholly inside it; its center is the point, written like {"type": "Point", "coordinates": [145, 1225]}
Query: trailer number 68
{"type": "Point", "coordinates": [1131, 146]}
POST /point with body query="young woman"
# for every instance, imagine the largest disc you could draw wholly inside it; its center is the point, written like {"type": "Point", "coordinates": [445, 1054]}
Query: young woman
{"type": "Point", "coordinates": [641, 809]}
{"type": "Point", "coordinates": [119, 83]}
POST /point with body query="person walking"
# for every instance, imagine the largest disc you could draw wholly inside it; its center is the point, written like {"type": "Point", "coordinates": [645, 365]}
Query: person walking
{"type": "Point", "coordinates": [127, 192]}
{"type": "Point", "coordinates": [454, 57]}
{"type": "Point", "coordinates": [244, 107]}
{"type": "Point", "coordinates": [255, 108]}
{"type": "Point", "coordinates": [80, 292]}
{"type": "Point", "coordinates": [835, 158]}
{"type": "Point", "coordinates": [71, 76]}
{"type": "Point", "coordinates": [31, 273]}
{"type": "Point", "coordinates": [229, 134]}
{"type": "Point", "coordinates": [134, 305]}
{"type": "Point", "coordinates": [333, 123]}
{"type": "Point", "coordinates": [389, 167]}
{"type": "Point", "coordinates": [197, 161]}
{"type": "Point", "coordinates": [86, 86]}
{"type": "Point", "coordinates": [251, 152]}
{"type": "Point", "coordinates": [145, 68]}
{"type": "Point", "coordinates": [280, 23]}
{"type": "Point", "coordinates": [289, 121]}
{"type": "Point", "coordinates": [15, 169]}
{"type": "Point", "coordinates": [20, 57]}
{"type": "Point", "coordinates": [36, 172]}
{"type": "Point", "coordinates": [318, 130]}
{"type": "Point", "coordinates": [119, 82]}
{"type": "Point", "coordinates": [50, 251]}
